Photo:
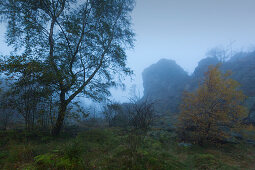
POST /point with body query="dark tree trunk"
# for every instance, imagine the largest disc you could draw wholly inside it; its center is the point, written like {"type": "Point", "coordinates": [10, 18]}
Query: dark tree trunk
{"type": "Point", "coordinates": [61, 115]}
{"type": "Point", "coordinates": [59, 123]}
{"type": "Point", "coordinates": [207, 131]}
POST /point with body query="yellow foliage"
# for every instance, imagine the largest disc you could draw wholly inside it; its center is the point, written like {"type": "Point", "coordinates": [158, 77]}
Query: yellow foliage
{"type": "Point", "coordinates": [213, 109]}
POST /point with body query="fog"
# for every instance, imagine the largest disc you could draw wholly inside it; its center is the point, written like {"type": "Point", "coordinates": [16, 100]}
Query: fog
{"type": "Point", "coordinates": [189, 104]}
{"type": "Point", "coordinates": [185, 30]}
{"type": "Point", "coordinates": [182, 30]}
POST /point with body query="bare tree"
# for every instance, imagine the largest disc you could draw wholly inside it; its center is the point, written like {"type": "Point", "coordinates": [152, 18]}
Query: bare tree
{"type": "Point", "coordinates": [141, 115]}
{"type": "Point", "coordinates": [110, 111]}
{"type": "Point", "coordinates": [221, 52]}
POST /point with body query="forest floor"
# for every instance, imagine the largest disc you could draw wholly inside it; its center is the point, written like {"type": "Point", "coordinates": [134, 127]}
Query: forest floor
{"type": "Point", "coordinates": [113, 148]}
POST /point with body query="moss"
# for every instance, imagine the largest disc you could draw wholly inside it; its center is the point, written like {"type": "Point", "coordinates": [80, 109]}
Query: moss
{"type": "Point", "coordinates": [46, 160]}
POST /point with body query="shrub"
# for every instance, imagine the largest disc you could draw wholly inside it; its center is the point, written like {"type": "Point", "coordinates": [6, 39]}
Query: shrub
{"type": "Point", "coordinates": [55, 161]}
{"type": "Point", "coordinates": [45, 160]}
{"type": "Point", "coordinates": [208, 114]}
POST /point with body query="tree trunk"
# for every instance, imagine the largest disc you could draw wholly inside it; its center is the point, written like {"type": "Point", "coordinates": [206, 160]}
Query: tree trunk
{"type": "Point", "coordinates": [59, 123]}
{"type": "Point", "coordinates": [61, 115]}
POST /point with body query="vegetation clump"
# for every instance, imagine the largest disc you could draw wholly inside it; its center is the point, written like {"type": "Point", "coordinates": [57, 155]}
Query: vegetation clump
{"type": "Point", "coordinates": [115, 148]}
{"type": "Point", "coordinates": [215, 109]}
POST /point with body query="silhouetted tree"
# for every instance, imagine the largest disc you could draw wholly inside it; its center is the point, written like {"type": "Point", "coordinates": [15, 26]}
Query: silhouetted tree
{"type": "Point", "coordinates": [6, 109]}
{"type": "Point", "coordinates": [111, 111]}
{"type": "Point", "coordinates": [81, 43]}
{"type": "Point", "coordinates": [141, 115]}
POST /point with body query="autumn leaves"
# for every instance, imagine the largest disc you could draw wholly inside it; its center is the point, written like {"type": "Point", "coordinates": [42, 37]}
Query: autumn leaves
{"type": "Point", "coordinates": [213, 110]}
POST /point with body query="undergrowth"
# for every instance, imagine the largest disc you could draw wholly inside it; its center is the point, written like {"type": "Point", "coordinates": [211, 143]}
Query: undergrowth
{"type": "Point", "coordinates": [117, 149]}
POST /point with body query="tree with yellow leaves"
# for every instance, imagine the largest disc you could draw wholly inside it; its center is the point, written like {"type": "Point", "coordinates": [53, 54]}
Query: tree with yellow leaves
{"type": "Point", "coordinates": [209, 113]}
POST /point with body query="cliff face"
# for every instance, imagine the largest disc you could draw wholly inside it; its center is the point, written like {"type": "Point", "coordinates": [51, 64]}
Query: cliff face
{"type": "Point", "coordinates": [242, 67]}
{"type": "Point", "coordinates": [165, 81]}
{"type": "Point", "coordinates": [199, 71]}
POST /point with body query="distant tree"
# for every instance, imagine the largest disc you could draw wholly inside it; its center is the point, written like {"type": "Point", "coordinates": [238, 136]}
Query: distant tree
{"type": "Point", "coordinates": [76, 112]}
{"type": "Point", "coordinates": [26, 89]}
{"type": "Point", "coordinates": [6, 109]}
{"type": "Point", "coordinates": [142, 115]}
{"type": "Point", "coordinates": [81, 43]}
{"type": "Point", "coordinates": [221, 53]}
{"type": "Point", "coordinates": [213, 109]}
{"type": "Point", "coordinates": [110, 112]}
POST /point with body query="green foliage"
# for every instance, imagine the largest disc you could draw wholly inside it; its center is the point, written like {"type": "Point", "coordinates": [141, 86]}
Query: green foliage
{"type": "Point", "coordinates": [46, 139]}
{"type": "Point", "coordinates": [52, 161]}
{"type": "Point", "coordinates": [22, 152]}
{"type": "Point", "coordinates": [118, 149]}
{"type": "Point", "coordinates": [143, 159]}
{"type": "Point", "coordinates": [208, 161]}
{"type": "Point", "coordinates": [65, 163]}
{"type": "Point", "coordinates": [114, 115]}
{"type": "Point", "coordinates": [68, 158]}
{"type": "Point", "coordinates": [18, 155]}
{"type": "Point", "coordinates": [79, 44]}
{"type": "Point", "coordinates": [205, 161]}
{"type": "Point", "coordinates": [99, 148]}
{"type": "Point", "coordinates": [74, 154]}
{"type": "Point", "coordinates": [45, 159]}
{"type": "Point", "coordinates": [73, 151]}
{"type": "Point", "coordinates": [3, 155]}
{"type": "Point", "coordinates": [98, 136]}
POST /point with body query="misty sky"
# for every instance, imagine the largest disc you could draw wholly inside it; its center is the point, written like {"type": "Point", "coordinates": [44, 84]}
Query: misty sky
{"type": "Point", "coordinates": [183, 30]}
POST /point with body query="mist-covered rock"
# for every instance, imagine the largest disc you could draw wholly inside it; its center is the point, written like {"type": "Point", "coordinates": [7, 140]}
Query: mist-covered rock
{"type": "Point", "coordinates": [165, 81]}
{"type": "Point", "coordinates": [198, 74]}
{"type": "Point", "coordinates": [242, 66]}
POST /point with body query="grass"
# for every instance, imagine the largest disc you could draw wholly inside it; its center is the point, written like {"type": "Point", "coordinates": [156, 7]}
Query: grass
{"type": "Point", "coordinates": [117, 149]}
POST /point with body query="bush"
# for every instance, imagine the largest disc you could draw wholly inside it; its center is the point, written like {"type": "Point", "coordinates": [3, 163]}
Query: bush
{"type": "Point", "coordinates": [73, 151]}
{"type": "Point", "coordinates": [45, 160]}
{"type": "Point", "coordinates": [69, 158]}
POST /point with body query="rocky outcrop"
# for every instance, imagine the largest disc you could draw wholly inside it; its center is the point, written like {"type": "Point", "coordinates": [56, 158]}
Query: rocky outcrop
{"type": "Point", "coordinates": [198, 74]}
{"type": "Point", "coordinates": [242, 67]}
{"type": "Point", "coordinates": [165, 81]}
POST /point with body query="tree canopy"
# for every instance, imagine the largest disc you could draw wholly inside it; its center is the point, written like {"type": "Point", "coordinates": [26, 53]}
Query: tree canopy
{"type": "Point", "coordinates": [80, 43]}
{"type": "Point", "coordinates": [213, 109]}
